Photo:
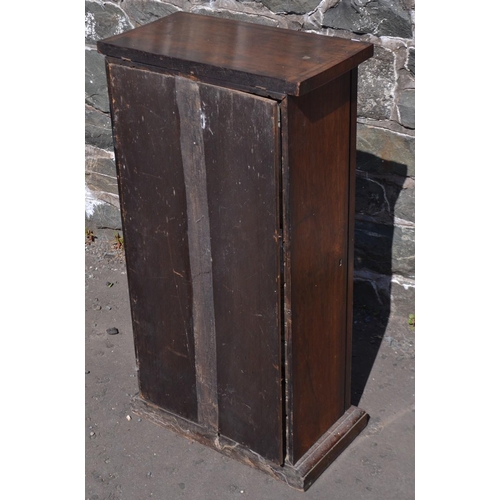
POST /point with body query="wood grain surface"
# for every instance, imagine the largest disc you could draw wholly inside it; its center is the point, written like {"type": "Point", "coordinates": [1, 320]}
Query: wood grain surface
{"type": "Point", "coordinates": [316, 247]}
{"type": "Point", "coordinates": [155, 226]}
{"type": "Point", "coordinates": [249, 55]}
{"type": "Point", "coordinates": [242, 155]}
{"type": "Point", "coordinates": [187, 97]}
{"type": "Point", "coordinates": [238, 218]}
{"type": "Point", "coordinates": [199, 184]}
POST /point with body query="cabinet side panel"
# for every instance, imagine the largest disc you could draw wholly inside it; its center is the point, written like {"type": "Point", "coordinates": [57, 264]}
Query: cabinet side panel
{"type": "Point", "coordinates": [241, 144]}
{"type": "Point", "coordinates": [153, 204]}
{"type": "Point", "coordinates": [318, 214]}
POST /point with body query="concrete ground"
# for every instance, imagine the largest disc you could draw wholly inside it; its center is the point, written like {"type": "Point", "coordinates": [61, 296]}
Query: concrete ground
{"type": "Point", "coordinates": [129, 458]}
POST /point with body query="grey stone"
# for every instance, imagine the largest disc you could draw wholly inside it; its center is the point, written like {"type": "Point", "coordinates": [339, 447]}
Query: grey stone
{"type": "Point", "coordinates": [406, 108]}
{"type": "Point", "coordinates": [384, 249]}
{"type": "Point", "coordinates": [384, 152]}
{"type": "Point", "coordinates": [378, 17]}
{"type": "Point", "coordinates": [411, 60]}
{"type": "Point", "coordinates": [98, 182]}
{"type": "Point", "coordinates": [371, 198]}
{"type": "Point", "coordinates": [112, 331]}
{"type": "Point", "coordinates": [291, 6]}
{"type": "Point", "coordinates": [368, 297]}
{"type": "Point", "coordinates": [104, 19]}
{"type": "Point", "coordinates": [98, 129]}
{"type": "Point", "coordinates": [382, 304]}
{"type": "Point", "coordinates": [104, 216]}
{"type": "Point", "coordinates": [405, 205]}
{"type": "Point", "coordinates": [237, 16]}
{"type": "Point", "coordinates": [96, 89]}
{"type": "Point", "coordinates": [402, 299]}
{"type": "Point", "coordinates": [383, 198]}
{"type": "Point", "coordinates": [403, 251]}
{"type": "Point", "coordinates": [102, 165]}
{"type": "Point", "coordinates": [145, 11]}
{"type": "Point", "coordinates": [409, 4]}
{"type": "Point", "coordinates": [100, 178]}
{"type": "Point", "coordinates": [373, 247]}
{"type": "Point", "coordinates": [376, 83]}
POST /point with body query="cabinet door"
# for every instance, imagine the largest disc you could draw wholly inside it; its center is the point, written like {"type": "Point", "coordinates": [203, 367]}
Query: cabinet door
{"type": "Point", "coordinates": [242, 157]}
{"type": "Point", "coordinates": [199, 170]}
{"type": "Point", "coordinates": [153, 202]}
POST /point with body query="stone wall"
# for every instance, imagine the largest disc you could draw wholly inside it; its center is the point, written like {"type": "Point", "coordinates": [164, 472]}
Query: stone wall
{"type": "Point", "coordinates": [385, 194]}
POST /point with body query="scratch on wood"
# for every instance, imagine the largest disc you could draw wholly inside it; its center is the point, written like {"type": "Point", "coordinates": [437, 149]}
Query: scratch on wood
{"type": "Point", "coordinates": [177, 353]}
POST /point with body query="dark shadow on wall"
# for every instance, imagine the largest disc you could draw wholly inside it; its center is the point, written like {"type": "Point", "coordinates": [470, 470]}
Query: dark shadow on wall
{"type": "Point", "coordinates": [378, 186]}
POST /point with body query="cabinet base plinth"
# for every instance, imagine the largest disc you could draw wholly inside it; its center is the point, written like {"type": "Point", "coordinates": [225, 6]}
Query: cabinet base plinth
{"type": "Point", "coordinates": [299, 476]}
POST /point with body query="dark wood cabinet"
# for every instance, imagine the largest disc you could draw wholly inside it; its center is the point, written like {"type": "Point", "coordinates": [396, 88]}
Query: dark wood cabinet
{"type": "Point", "coordinates": [235, 153]}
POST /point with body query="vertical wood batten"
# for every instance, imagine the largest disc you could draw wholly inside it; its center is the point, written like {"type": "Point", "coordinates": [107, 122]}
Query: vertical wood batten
{"type": "Point", "coordinates": [200, 254]}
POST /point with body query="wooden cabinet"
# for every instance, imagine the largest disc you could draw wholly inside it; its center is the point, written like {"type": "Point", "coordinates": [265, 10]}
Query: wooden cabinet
{"type": "Point", "coordinates": [235, 153]}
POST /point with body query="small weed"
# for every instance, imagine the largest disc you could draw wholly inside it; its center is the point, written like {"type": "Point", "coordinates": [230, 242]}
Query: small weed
{"type": "Point", "coordinates": [411, 320]}
{"type": "Point", "coordinates": [118, 244]}
{"type": "Point", "coordinates": [89, 236]}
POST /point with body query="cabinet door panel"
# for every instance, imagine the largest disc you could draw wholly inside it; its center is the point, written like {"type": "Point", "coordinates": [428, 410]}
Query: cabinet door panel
{"type": "Point", "coordinates": [198, 169]}
{"type": "Point", "coordinates": [242, 157]}
{"type": "Point", "coordinates": [155, 225]}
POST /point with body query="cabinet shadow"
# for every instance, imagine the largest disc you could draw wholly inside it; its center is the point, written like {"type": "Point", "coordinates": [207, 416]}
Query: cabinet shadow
{"type": "Point", "coordinates": [378, 187]}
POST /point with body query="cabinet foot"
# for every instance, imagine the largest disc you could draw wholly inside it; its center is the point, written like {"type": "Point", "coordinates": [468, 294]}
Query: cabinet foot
{"type": "Point", "coordinates": [300, 475]}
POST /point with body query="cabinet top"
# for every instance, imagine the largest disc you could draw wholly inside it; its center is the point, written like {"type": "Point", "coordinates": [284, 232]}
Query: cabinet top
{"type": "Point", "coordinates": [238, 53]}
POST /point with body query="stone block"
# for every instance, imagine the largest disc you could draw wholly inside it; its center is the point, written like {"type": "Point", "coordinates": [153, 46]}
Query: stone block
{"type": "Point", "coordinates": [101, 183]}
{"type": "Point", "coordinates": [384, 152]}
{"type": "Point", "coordinates": [406, 108]}
{"type": "Point", "coordinates": [104, 19]}
{"type": "Point", "coordinates": [402, 297]}
{"type": "Point", "coordinates": [377, 17]}
{"type": "Point", "coordinates": [404, 207]}
{"type": "Point", "coordinates": [100, 163]}
{"type": "Point", "coordinates": [403, 251]}
{"type": "Point", "coordinates": [368, 298]}
{"type": "Point", "coordinates": [100, 174]}
{"type": "Point", "coordinates": [371, 199]}
{"type": "Point", "coordinates": [291, 6]}
{"type": "Point", "coordinates": [98, 129]}
{"type": "Point", "coordinates": [103, 216]}
{"type": "Point", "coordinates": [96, 89]}
{"type": "Point", "coordinates": [145, 11]}
{"type": "Point", "coordinates": [236, 16]}
{"type": "Point", "coordinates": [376, 84]}
{"type": "Point", "coordinates": [384, 249]}
{"type": "Point", "coordinates": [385, 199]}
{"type": "Point", "coordinates": [410, 64]}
